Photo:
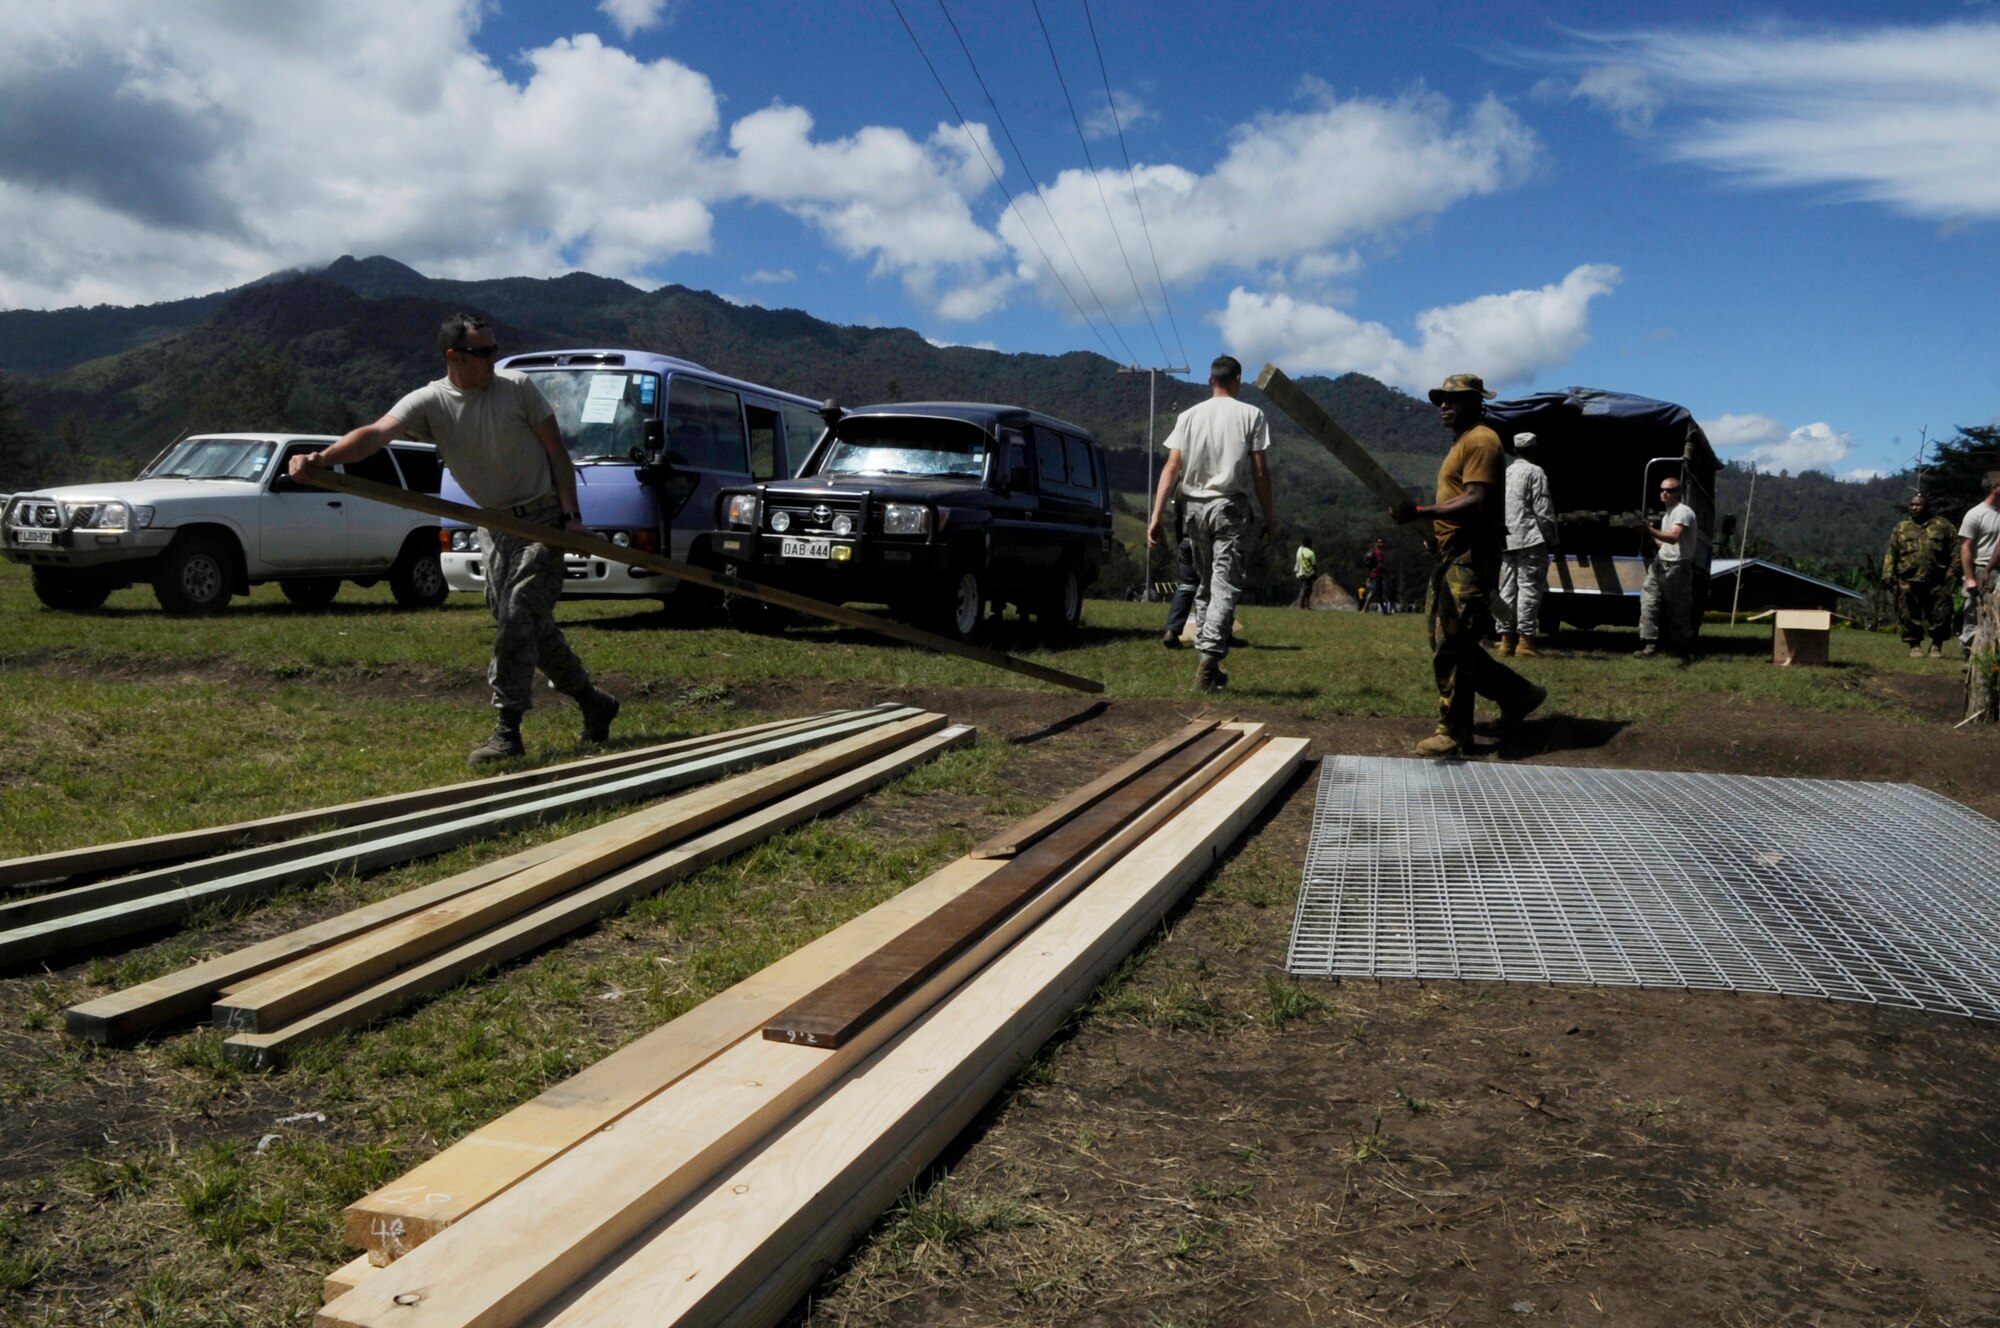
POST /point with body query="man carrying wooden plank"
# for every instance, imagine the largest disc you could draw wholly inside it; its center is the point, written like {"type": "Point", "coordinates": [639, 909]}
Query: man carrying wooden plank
{"type": "Point", "coordinates": [499, 437]}
{"type": "Point", "coordinates": [1215, 454]}
{"type": "Point", "coordinates": [1458, 605]}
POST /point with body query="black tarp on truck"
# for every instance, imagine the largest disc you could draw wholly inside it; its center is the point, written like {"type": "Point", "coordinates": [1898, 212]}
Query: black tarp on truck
{"type": "Point", "coordinates": [1605, 454]}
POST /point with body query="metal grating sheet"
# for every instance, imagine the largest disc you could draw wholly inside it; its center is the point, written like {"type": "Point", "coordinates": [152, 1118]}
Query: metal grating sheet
{"type": "Point", "coordinates": [1882, 893]}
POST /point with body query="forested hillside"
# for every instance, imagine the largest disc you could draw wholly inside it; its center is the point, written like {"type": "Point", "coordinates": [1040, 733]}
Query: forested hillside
{"type": "Point", "coordinates": [91, 393]}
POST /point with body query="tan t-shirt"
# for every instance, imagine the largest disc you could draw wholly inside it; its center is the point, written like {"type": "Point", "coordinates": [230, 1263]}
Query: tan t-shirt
{"type": "Point", "coordinates": [1475, 458]}
{"type": "Point", "coordinates": [1215, 440]}
{"type": "Point", "coordinates": [486, 438]}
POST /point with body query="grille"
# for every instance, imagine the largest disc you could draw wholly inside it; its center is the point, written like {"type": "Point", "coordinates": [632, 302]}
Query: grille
{"type": "Point", "coordinates": [1880, 893]}
{"type": "Point", "coordinates": [815, 515]}
{"type": "Point", "coordinates": [37, 512]}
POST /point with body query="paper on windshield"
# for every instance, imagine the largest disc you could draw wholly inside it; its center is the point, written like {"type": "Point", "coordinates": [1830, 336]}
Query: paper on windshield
{"type": "Point", "coordinates": [606, 392]}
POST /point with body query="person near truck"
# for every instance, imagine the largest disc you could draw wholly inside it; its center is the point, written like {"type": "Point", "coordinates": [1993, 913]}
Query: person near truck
{"type": "Point", "coordinates": [1917, 569]}
{"type": "Point", "coordinates": [1666, 602]}
{"type": "Point", "coordinates": [1531, 534]}
{"type": "Point", "coordinates": [1978, 539]}
{"type": "Point", "coordinates": [1215, 455]}
{"type": "Point", "coordinates": [1466, 533]}
{"type": "Point", "coordinates": [497, 435]}
{"type": "Point", "coordinates": [1305, 569]}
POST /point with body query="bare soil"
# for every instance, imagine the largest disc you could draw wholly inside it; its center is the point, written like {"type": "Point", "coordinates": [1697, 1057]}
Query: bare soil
{"type": "Point", "coordinates": [1213, 1144]}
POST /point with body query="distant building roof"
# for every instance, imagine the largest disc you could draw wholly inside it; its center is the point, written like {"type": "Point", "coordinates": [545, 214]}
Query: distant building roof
{"type": "Point", "coordinates": [1769, 585]}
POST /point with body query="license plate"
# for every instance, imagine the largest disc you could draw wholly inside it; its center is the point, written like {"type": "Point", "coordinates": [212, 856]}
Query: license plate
{"type": "Point", "coordinates": [807, 548]}
{"type": "Point", "coordinates": [32, 535]}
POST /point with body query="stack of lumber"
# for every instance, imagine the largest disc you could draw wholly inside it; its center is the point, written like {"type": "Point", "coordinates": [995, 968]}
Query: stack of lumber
{"type": "Point", "coordinates": [390, 831]}
{"type": "Point", "coordinates": [712, 1171]}
{"type": "Point", "coordinates": [361, 965]}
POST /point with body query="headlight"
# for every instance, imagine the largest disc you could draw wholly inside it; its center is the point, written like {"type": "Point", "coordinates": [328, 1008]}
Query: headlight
{"type": "Point", "coordinates": [843, 525]}
{"type": "Point", "coordinates": [781, 521]}
{"type": "Point", "coordinates": [622, 538]}
{"type": "Point", "coordinates": [906, 519]}
{"type": "Point", "coordinates": [464, 541]}
{"type": "Point", "coordinates": [743, 510]}
{"type": "Point", "coordinates": [114, 516]}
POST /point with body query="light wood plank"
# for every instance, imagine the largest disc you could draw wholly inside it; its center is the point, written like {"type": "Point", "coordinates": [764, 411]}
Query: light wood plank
{"type": "Point", "coordinates": [526, 1245]}
{"type": "Point", "coordinates": [847, 1003]}
{"type": "Point", "coordinates": [268, 1005]}
{"type": "Point", "coordinates": [97, 859]}
{"type": "Point", "coordinates": [602, 548]}
{"type": "Point", "coordinates": [345, 1278]}
{"type": "Point", "coordinates": [442, 1190]}
{"type": "Point", "coordinates": [1024, 833]}
{"type": "Point", "coordinates": [745, 1249]}
{"type": "Point", "coordinates": [566, 914]}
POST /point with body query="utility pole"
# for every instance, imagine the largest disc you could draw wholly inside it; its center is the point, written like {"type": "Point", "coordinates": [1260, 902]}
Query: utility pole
{"type": "Point", "coordinates": [1152, 429]}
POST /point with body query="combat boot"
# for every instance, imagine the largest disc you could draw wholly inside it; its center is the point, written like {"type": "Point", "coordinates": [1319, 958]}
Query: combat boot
{"type": "Point", "coordinates": [1209, 677]}
{"type": "Point", "coordinates": [1440, 745]}
{"type": "Point", "coordinates": [599, 709]}
{"type": "Point", "coordinates": [505, 744]}
{"type": "Point", "coordinates": [1525, 649]}
{"type": "Point", "coordinates": [1508, 643]}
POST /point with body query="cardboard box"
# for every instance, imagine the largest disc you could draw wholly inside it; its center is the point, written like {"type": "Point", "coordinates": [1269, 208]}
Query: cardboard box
{"type": "Point", "coordinates": [1800, 636]}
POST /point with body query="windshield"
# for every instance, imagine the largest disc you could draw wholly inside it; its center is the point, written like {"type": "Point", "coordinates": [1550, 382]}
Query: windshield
{"type": "Point", "coordinates": [602, 412]}
{"type": "Point", "coordinates": [882, 446]}
{"type": "Point", "coordinates": [213, 459]}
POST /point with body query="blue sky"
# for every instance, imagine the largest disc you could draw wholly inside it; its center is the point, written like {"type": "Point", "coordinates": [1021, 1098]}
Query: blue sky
{"type": "Point", "coordinates": [1782, 217]}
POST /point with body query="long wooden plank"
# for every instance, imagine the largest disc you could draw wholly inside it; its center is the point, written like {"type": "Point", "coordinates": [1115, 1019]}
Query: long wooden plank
{"type": "Point", "coordinates": [55, 935]}
{"type": "Point", "coordinates": [345, 1278]}
{"type": "Point", "coordinates": [98, 859]}
{"type": "Point", "coordinates": [328, 478]}
{"type": "Point", "coordinates": [269, 1005]}
{"type": "Point", "coordinates": [1025, 833]}
{"type": "Point", "coordinates": [746, 1250]}
{"type": "Point", "coordinates": [395, 1219]}
{"type": "Point", "coordinates": [519, 1251]}
{"type": "Point", "coordinates": [836, 1012]}
{"type": "Point", "coordinates": [561, 916]}
{"type": "Point", "coordinates": [1320, 427]}
{"type": "Point", "coordinates": [85, 898]}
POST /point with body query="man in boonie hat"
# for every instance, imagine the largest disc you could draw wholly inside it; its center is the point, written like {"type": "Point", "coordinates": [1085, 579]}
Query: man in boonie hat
{"type": "Point", "coordinates": [1466, 524]}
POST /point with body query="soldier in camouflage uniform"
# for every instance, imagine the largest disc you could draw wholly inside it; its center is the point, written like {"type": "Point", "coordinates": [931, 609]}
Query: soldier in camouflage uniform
{"type": "Point", "coordinates": [1918, 568]}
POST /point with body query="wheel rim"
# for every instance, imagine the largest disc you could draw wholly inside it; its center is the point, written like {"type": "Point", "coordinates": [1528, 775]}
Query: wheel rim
{"type": "Point", "coordinates": [427, 578]}
{"type": "Point", "coordinates": [201, 579]}
{"type": "Point", "coordinates": [966, 606]}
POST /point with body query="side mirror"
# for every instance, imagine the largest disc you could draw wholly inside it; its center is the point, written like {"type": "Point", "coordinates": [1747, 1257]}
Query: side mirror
{"type": "Point", "coordinates": [656, 437]}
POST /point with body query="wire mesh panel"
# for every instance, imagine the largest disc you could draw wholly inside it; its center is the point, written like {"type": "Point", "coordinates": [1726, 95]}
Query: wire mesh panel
{"type": "Point", "coordinates": [1883, 893]}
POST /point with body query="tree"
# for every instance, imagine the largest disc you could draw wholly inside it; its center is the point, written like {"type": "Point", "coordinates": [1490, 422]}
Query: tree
{"type": "Point", "coordinates": [21, 460]}
{"type": "Point", "coordinates": [1953, 481]}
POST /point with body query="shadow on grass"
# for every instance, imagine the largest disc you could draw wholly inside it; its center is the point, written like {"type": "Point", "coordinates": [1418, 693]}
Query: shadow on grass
{"type": "Point", "coordinates": [1545, 734]}
{"type": "Point", "coordinates": [1063, 725]}
{"type": "Point", "coordinates": [1614, 642]}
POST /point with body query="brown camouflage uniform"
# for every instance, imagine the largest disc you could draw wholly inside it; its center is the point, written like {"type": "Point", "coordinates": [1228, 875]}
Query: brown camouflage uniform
{"type": "Point", "coordinates": [1918, 567]}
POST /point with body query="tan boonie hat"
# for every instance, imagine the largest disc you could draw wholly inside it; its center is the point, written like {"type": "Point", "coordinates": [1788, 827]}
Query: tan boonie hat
{"type": "Point", "coordinates": [1524, 439]}
{"type": "Point", "coordinates": [1460, 385]}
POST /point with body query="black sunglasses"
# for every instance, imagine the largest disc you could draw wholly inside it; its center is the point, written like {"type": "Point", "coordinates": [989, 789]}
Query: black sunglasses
{"type": "Point", "coordinates": [479, 352]}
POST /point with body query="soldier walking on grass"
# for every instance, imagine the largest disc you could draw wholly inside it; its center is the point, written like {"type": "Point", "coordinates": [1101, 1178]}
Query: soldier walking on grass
{"type": "Point", "coordinates": [499, 438]}
{"type": "Point", "coordinates": [1215, 454]}
{"type": "Point", "coordinates": [1917, 568]}
{"type": "Point", "coordinates": [1466, 525]}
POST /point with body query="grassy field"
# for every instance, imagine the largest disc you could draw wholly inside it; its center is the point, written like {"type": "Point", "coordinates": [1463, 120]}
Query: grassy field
{"type": "Point", "coordinates": [161, 1186]}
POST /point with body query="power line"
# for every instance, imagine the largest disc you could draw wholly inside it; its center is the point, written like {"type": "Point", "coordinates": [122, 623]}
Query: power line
{"type": "Point", "coordinates": [1040, 193]}
{"type": "Point", "coordinates": [1005, 192]}
{"type": "Point", "coordinates": [1132, 176]}
{"type": "Point", "coordinates": [1095, 178]}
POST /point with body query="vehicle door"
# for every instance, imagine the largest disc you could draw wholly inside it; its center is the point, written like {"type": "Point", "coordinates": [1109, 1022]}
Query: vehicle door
{"type": "Point", "coordinates": [375, 531]}
{"type": "Point", "coordinates": [802, 429]}
{"type": "Point", "coordinates": [299, 527]}
{"type": "Point", "coordinates": [707, 444]}
{"type": "Point", "coordinates": [1070, 500]}
{"type": "Point", "coordinates": [1015, 553]}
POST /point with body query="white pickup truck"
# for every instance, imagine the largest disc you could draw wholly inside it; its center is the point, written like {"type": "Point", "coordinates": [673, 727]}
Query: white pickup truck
{"type": "Point", "coordinates": [216, 514]}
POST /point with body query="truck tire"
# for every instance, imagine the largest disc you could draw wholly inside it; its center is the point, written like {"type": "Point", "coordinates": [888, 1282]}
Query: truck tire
{"type": "Point", "coordinates": [61, 589]}
{"type": "Point", "coordinates": [310, 591]}
{"type": "Point", "coordinates": [193, 576]}
{"type": "Point", "coordinates": [1061, 611]}
{"type": "Point", "coordinates": [961, 607]}
{"type": "Point", "coordinates": [417, 580]}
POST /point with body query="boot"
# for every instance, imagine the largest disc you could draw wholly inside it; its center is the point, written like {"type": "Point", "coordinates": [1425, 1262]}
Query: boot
{"type": "Point", "coordinates": [599, 708]}
{"type": "Point", "coordinates": [1916, 652]}
{"type": "Point", "coordinates": [1508, 642]}
{"type": "Point", "coordinates": [1209, 677]}
{"type": "Point", "coordinates": [1440, 745]}
{"type": "Point", "coordinates": [505, 744]}
{"type": "Point", "coordinates": [1525, 649]}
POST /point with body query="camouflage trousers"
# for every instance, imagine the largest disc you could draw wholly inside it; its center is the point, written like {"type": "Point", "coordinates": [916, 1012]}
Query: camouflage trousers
{"type": "Point", "coordinates": [524, 580]}
{"type": "Point", "coordinates": [1924, 610]}
{"type": "Point", "coordinates": [1220, 529]}
{"type": "Point", "coordinates": [1666, 605]}
{"type": "Point", "coordinates": [1458, 607]}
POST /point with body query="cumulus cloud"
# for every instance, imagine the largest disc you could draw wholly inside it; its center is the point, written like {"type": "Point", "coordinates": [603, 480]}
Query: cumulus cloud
{"type": "Point", "coordinates": [769, 277]}
{"type": "Point", "coordinates": [633, 16]}
{"type": "Point", "coordinates": [1907, 117]}
{"type": "Point", "coordinates": [1294, 187]}
{"type": "Point", "coordinates": [1772, 446]}
{"type": "Point", "coordinates": [219, 143]}
{"type": "Point", "coordinates": [1131, 112]}
{"type": "Point", "coordinates": [1507, 339]}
